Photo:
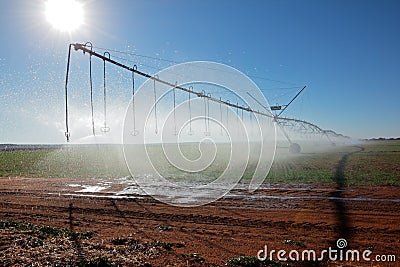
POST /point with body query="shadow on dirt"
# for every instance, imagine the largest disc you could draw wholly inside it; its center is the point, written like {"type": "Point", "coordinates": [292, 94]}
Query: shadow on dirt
{"type": "Point", "coordinates": [343, 222]}
{"type": "Point", "coordinates": [75, 239]}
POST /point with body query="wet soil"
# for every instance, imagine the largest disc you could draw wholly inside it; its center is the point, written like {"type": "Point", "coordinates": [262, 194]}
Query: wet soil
{"type": "Point", "coordinates": [281, 217]}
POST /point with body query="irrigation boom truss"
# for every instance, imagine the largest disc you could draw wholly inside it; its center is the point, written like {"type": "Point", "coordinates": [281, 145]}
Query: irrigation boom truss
{"type": "Point", "coordinates": [283, 122]}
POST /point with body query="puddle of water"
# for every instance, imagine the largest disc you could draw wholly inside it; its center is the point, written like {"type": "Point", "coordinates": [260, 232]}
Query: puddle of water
{"type": "Point", "coordinates": [92, 188]}
{"type": "Point", "coordinates": [192, 192]}
{"type": "Point", "coordinates": [98, 196]}
{"type": "Point", "coordinates": [75, 185]}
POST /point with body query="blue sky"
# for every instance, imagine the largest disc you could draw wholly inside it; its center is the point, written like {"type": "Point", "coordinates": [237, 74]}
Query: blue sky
{"type": "Point", "coordinates": [346, 52]}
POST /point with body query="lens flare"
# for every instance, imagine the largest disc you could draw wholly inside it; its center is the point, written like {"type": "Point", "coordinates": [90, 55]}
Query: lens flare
{"type": "Point", "coordinates": [64, 15]}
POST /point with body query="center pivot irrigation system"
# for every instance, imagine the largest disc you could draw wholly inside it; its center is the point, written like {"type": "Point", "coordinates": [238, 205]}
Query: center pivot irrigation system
{"type": "Point", "coordinates": [284, 123]}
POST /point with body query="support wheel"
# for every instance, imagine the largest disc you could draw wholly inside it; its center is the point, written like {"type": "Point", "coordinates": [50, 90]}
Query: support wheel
{"type": "Point", "coordinates": [294, 148]}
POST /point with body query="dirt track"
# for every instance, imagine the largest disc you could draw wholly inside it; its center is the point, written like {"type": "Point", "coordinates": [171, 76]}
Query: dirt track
{"type": "Point", "coordinates": [313, 218]}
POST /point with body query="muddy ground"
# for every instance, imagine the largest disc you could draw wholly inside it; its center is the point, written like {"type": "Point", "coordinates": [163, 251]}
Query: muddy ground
{"type": "Point", "coordinates": [138, 230]}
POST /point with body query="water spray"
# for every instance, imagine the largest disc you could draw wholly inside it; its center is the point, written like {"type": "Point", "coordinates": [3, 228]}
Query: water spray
{"type": "Point", "coordinates": [283, 122]}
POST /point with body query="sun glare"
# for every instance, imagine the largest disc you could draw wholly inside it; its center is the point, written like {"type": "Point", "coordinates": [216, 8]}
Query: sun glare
{"type": "Point", "coordinates": [64, 15]}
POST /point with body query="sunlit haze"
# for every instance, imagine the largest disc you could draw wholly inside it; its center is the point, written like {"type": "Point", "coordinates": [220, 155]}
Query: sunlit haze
{"type": "Point", "coordinates": [64, 15]}
{"type": "Point", "coordinates": [345, 52]}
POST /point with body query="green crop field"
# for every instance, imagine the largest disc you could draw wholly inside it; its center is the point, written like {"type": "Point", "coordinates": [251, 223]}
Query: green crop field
{"type": "Point", "coordinates": [367, 163]}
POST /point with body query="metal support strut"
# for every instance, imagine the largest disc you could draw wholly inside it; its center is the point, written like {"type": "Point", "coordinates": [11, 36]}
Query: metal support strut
{"type": "Point", "coordinates": [135, 132]}
{"type": "Point", "coordinates": [67, 133]}
{"type": "Point", "coordinates": [88, 48]}
{"type": "Point", "coordinates": [91, 85]}
{"type": "Point", "coordinates": [105, 128]}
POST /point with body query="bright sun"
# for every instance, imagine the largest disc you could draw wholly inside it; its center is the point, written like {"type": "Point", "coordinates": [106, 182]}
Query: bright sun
{"type": "Point", "coordinates": [64, 15]}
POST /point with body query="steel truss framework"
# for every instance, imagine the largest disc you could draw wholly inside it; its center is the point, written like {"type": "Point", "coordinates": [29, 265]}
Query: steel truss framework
{"type": "Point", "coordinates": [284, 123]}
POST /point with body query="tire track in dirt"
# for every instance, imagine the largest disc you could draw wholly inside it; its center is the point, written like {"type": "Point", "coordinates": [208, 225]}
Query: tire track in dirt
{"type": "Point", "coordinates": [82, 206]}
